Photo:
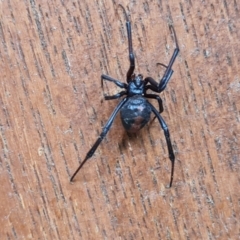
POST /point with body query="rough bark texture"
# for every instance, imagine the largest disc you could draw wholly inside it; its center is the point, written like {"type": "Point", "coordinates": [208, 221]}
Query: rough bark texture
{"type": "Point", "coordinates": [52, 54]}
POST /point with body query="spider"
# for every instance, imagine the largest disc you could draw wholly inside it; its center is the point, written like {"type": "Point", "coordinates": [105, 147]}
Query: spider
{"type": "Point", "coordinates": [134, 108]}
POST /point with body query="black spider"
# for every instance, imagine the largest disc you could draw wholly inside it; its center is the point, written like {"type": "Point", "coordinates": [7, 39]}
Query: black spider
{"type": "Point", "coordinates": [134, 109]}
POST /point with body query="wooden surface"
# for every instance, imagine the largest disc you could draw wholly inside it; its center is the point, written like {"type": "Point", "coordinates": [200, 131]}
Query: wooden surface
{"type": "Point", "coordinates": [52, 54]}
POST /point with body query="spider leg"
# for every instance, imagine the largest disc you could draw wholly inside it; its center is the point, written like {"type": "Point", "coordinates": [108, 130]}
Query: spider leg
{"type": "Point", "coordinates": [118, 95]}
{"type": "Point", "coordinates": [104, 132]}
{"type": "Point", "coordinates": [118, 83]}
{"type": "Point", "coordinates": [168, 140]}
{"type": "Point", "coordinates": [154, 96]}
{"type": "Point", "coordinates": [110, 79]}
{"type": "Point", "coordinates": [159, 87]}
{"type": "Point", "coordinates": [168, 73]}
{"type": "Point", "coordinates": [130, 48]}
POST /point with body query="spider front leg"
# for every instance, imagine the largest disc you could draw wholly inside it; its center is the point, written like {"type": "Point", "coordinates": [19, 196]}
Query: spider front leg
{"type": "Point", "coordinates": [104, 132]}
{"type": "Point", "coordinates": [130, 48]}
{"type": "Point", "coordinates": [159, 87]}
{"type": "Point", "coordinates": [168, 140]}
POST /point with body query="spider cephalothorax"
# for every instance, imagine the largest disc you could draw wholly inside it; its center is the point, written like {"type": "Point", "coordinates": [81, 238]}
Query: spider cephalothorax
{"type": "Point", "coordinates": [136, 85]}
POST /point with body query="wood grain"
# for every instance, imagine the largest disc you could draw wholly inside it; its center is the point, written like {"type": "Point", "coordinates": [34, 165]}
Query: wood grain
{"type": "Point", "coordinates": [52, 54]}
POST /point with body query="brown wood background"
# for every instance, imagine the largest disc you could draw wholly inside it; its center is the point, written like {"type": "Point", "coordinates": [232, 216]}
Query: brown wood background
{"type": "Point", "coordinates": [52, 54]}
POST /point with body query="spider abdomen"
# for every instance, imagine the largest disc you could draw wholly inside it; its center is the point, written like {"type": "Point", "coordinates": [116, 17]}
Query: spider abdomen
{"type": "Point", "coordinates": [135, 113]}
